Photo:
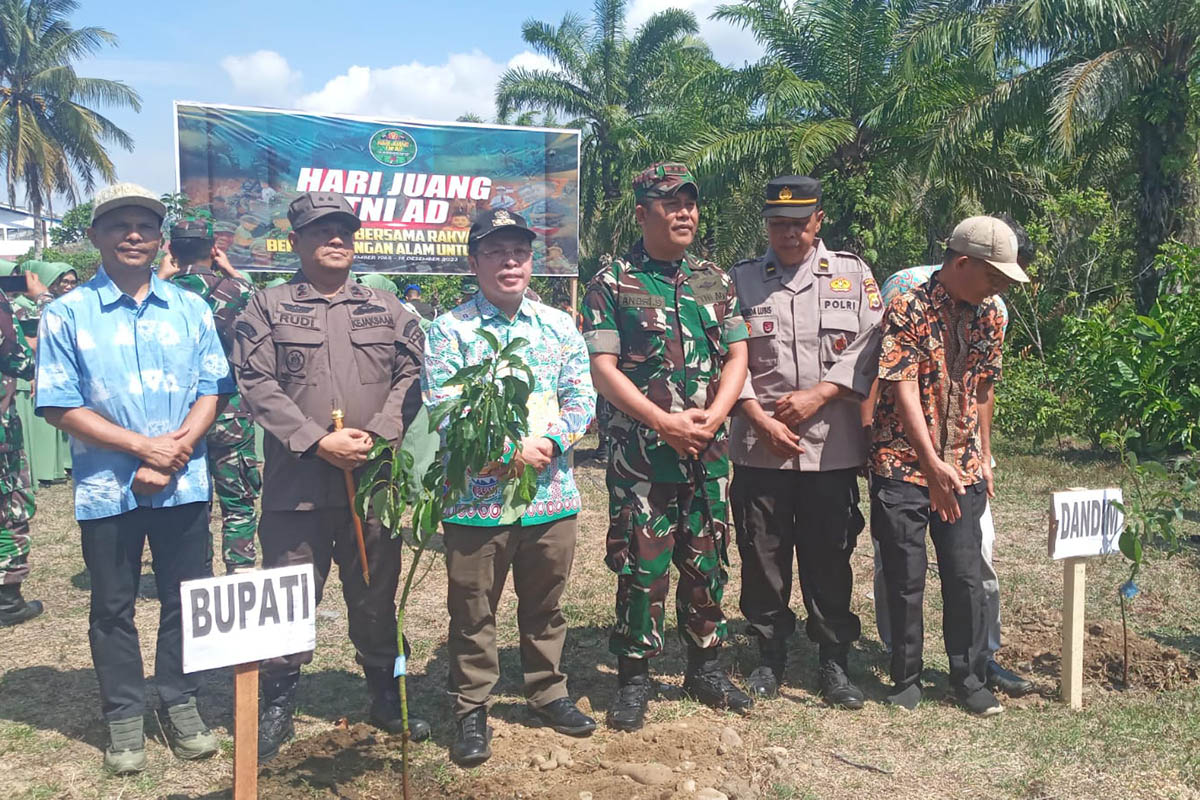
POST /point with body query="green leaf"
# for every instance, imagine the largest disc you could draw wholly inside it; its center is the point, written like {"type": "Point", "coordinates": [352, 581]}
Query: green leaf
{"type": "Point", "coordinates": [1131, 545]}
{"type": "Point", "coordinates": [491, 339]}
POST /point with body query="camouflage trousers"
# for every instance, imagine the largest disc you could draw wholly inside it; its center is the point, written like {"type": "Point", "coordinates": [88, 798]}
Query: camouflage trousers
{"type": "Point", "coordinates": [651, 525]}
{"type": "Point", "coordinates": [16, 508]}
{"type": "Point", "coordinates": [237, 482]}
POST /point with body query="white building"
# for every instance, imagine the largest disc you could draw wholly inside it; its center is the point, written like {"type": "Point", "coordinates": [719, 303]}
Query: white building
{"type": "Point", "coordinates": [18, 231]}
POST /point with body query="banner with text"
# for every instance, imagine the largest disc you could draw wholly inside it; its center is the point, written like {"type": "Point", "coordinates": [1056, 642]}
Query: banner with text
{"type": "Point", "coordinates": [416, 186]}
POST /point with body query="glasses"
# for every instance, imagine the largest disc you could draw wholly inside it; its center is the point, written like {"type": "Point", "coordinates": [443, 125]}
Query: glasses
{"type": "Point", "coordinates": [521, 254]}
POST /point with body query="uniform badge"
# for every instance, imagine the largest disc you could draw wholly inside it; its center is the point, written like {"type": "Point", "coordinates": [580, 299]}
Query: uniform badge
{"type": "Point", "coordinates": [768, 326]}
{"type": "Point", "coordinates": [771, 270]}
{"type": "Point", "coordinates": [501, 217]}
{"type": "Point", "coordinates": [785, 193]}
{"type": "Point", "coordinates": [874, 298]}
{"type": "Point", "coordinates": [823, 265]}
{"type": "Point", "coordinates": [839, 344]}
{"type": "Point", "coordinates": [841, 285]}
{"type": "Point", "coordinates": [749, 328]}
{"type": "Point", "coordinates": [295, 361]}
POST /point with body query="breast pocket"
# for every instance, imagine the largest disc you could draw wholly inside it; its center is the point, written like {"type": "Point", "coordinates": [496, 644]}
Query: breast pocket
{"type": "Point", "coordinates": [300, 356]}
{"type": "Point", "coordinates": [374, 353]}
{"type": "Point", "coordinates": [643, 332]}
{"type": "Point", "coordinates": [839, 329]}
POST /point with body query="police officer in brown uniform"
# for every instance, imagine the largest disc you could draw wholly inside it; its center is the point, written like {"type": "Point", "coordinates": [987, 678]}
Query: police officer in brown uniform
{"type": "Point", "coordinates": [316, 343]}
{"type": "Point", "coordinates": [797, 439]}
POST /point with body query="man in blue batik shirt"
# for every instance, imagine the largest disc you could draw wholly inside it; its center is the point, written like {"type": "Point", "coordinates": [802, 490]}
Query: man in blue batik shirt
{"type": "Point", "coordinates": [131, 367]}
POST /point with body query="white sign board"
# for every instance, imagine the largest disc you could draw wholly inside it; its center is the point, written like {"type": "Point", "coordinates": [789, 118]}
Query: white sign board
{"type": "Point", "coordinates": [251, 616]}
{"type": "Point", "coordinates": [1085, 523]}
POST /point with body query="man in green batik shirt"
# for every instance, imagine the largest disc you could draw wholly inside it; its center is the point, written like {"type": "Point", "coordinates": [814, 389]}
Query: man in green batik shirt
{"type": "Point", "coordinates": [668, 350]}
{"type": "Point", "coordinates": [196, 264]}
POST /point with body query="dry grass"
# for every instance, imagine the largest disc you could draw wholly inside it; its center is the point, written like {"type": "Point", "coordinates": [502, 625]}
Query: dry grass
{"type": "Point", "coordinates": [1135, 744]}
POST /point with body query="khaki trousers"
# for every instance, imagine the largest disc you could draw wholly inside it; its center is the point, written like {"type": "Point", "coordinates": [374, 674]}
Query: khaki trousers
{"type": "Point", "coordinates": [477, 562]}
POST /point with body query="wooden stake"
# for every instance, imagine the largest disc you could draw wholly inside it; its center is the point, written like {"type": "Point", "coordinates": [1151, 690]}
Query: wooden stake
{"type": "Point", "coordinates": [1074, 581]}
{"type": "Point", "coordinates": [338, 416]}
{"type": "Point", "coordinates": [245, 731]}
{"type": "Point", "coordinates": [574, 293]}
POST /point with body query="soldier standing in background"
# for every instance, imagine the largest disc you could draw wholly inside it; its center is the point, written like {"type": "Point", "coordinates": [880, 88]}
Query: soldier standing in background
{"type": "Point", "coordinates": [16, 485]}
{"type": "Point", "coordinates": [797, 440]}
{"type": "Point", "coordinates": [232, 461]}
{"type": "Point", "coordinates": [667, 345]}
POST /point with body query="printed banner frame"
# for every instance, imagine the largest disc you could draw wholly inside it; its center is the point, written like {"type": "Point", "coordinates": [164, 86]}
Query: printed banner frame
{"type": "Point", "coordinates": [416, 184]}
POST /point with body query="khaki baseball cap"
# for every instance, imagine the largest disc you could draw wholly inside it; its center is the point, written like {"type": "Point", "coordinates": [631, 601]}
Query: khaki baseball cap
{"type": "Point", "coordinates": [120, 195]}
{"type": "Point", "coordinates": [990, 240]}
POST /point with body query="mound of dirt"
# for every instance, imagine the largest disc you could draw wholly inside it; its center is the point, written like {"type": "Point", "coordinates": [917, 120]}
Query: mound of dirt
{"type": "Point", "coordinates": [665, 760]}
{"type": "Point", "coordinates": [1035, 643]}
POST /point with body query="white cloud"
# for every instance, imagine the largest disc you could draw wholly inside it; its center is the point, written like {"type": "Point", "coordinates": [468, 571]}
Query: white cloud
{"type": "Point", "coordinates": [262, 76]}
{"type": "Point", "coordinates": [729, 44]}
{"type": "Point", "coordinates": [465, 82]}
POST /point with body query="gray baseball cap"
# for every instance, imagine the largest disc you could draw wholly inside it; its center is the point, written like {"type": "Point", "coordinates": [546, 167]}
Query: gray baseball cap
{"type": "Point", "coordinates": [312, 206]}
{"type": "Point", "coordinates": [990, 240]}
{"type": "Point", "coordinates": [120, 195]}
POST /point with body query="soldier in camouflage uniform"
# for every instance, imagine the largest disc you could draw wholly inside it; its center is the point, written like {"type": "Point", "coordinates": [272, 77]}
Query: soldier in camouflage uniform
{"type": "Point", "coordinates": [237, 479]}
{"type": "Point", "coordinates": [16, 484]}
{"type": "Point", "coordinates": [668, 351]}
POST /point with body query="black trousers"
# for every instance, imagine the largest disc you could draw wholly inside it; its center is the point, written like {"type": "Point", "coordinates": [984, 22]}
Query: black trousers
{"type": "Point", "coordinates": [180, 545]}
{"type": "Point", "coordinates": [327, 535]}
{"type": "Point", "coordinates": [899, 516]}
{"type": "Point", "coordinates": [811, 516]}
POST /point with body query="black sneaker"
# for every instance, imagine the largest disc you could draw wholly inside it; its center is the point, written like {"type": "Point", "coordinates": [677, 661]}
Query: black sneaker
{"type": "Point", "coordinates": [980, 702]}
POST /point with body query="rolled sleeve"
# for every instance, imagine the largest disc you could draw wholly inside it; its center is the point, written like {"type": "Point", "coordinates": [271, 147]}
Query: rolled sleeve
{"type": "Point", "coordinates": [58, 382]}
{"type": "Point", "coordinates": [600, 331]}
{"type": "Point", "coordinates": [734, 329]}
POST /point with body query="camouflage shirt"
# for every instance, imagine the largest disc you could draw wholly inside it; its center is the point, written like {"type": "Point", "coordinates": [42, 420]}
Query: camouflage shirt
{"type": "Point", "coordinates": [670, 326]}
{"type": "Point", "coordinates": [227, 297]}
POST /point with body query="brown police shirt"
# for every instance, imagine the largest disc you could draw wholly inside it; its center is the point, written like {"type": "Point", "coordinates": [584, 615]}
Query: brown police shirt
{"type": "Point", "coordinates": [298, 355]}
{"type": "Point", "coordinates": [814, 322]}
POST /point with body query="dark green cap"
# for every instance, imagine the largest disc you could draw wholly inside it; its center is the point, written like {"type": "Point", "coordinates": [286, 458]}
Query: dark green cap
{"type": "Point", "coordinates": [663, 179]}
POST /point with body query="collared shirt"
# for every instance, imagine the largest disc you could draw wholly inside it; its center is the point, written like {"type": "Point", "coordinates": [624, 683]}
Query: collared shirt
{"type": "Point", "coordinates": [948, 348]}
{"type": "Point", "coordinates": [905, 280]}
{"type": "Point", "coordinates": [139, 365]}
{"type": "Point", "coordinates": [561, 404]}
{"type": "Point", "coordinates": [299, 355]}
{"type": "Point", "coordinates": [670, 326]}
{"type": "Point", "coordinates": [814, 322]}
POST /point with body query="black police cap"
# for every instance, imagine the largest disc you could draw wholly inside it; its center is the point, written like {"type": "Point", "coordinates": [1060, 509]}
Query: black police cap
{"type": "Point", "coordinates": [795, 196]}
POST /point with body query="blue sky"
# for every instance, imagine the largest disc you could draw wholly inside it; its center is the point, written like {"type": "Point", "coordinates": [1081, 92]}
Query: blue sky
{"type": "Point", "coordinates": [393, 59]}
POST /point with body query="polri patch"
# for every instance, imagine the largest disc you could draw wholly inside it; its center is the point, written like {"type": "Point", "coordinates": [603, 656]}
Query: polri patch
{"type": "Point", "coordinates": [841, 285]}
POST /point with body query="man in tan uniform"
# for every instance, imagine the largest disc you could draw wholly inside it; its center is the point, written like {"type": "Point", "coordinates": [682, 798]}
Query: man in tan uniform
{"type": "Point", "coordinates": [797, 441]}
{"type": "Point", "coordinates": [320, 342]}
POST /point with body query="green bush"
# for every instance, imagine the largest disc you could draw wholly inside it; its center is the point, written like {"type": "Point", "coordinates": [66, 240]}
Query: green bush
{"type": "Point", "coordinates": [1032, 403]}
{"type": "Point", "coordinates": [1141, 374]}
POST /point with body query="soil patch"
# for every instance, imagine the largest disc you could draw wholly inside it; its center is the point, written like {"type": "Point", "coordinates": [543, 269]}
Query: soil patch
{"type": "Point", "coordinates": [1035, 645]}
{"type": "Point", "coordinates": [664, 760]}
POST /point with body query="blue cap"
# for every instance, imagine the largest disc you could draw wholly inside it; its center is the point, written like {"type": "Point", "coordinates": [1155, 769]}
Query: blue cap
{"type": "Point", "coordinates": [412, 286]}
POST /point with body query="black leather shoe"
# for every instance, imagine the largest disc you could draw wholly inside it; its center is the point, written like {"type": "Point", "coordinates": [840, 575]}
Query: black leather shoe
{"type": "Point", "coordinates": [472, 744]}
{"type": "Point", "coordinates": [385, 711]}
{"type": "Point", "coordinates": [565, 717]}
{"type": "Point", "coordinates": [275, 721]}
{"type": "Point", "coordinates": [706, 682]}
{"type": "Point", "coordinates": [765, 680]}
{"type": "Point", "coordinates": [15, 609]}
{"type": "Point", "coordinates": [836, 687]}
{"type": "Point", "coordinates": [1000, 679]}
{"type": "Point", "coordinates": [628, 709]}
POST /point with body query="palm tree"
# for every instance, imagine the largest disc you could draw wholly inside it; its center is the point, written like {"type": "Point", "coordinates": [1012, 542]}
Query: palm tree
{"type": "Point", "coordinates": [608, 84]}
{"type": "Point", "coordinates": [1117, 76]}
{"type": "Point", "coordinates": [830, 99]}
{"type": "Point", "coordinates": [51, 140]}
